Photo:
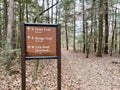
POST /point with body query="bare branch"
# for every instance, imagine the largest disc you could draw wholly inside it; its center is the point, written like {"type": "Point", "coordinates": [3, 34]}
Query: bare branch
{"type": "Point", "coordinates": [45, 11]}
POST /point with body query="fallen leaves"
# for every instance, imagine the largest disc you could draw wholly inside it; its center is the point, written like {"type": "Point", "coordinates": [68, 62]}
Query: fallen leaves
{"type": "Point", "coordinates": [78, 73]}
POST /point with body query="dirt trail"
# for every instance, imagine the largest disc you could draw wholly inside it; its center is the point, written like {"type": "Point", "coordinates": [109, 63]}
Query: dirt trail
{"type": "Point", "coordinates": [90, 74]}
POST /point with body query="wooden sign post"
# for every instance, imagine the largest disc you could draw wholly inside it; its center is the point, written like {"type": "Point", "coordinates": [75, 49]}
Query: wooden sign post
{"type": "Point", "coordinates": [40, 41]}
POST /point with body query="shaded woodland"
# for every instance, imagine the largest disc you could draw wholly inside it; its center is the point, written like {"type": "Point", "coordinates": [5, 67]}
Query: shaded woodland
{"type": "Point", "coordinates": [89, 29]}
{"type": "Point", "coordinates": [88, 26]}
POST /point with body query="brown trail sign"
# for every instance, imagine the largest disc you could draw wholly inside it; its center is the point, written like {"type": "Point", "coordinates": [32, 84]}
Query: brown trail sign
{"type": "Point", "coordinates": [40, 41]}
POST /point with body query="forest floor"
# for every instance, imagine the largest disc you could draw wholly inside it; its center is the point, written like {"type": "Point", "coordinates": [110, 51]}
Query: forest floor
{"type": "Point", "coordinates": [78, 73]}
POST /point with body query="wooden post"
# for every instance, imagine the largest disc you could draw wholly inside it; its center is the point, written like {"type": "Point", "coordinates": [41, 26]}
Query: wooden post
{"type": "Point", "coordinates": [23, 68]}
{"type": "Point", "coordinates": [59, 57]}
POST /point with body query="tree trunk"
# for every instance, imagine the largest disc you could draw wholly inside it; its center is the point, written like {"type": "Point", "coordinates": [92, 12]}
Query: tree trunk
{"type": "Point", "coordinates": [91, 32]}
{"type": "Point", "coordinates": [21, 13]}
{"type": "Point", "coordinates": [74, 45]}
{"type": "Point", "coordinates": [116, 32]}
{"type": "Point", "coordinates": [6, 15]}
{"type": "Point", "coordinates": [9, 33]}
{"type": "Point", "coordinates": [6, 22]}
{"type": "Point", "coordinates": [56, 16]}
{"type": "Point", "coordinates": [0, 37]}
{"type": "Point", "coordinates": [66, 33]}
{"type": "Point", "coordinates": [48, 15]}
{"type": "Point", "coordinates": [106, 27]}
{"type": "Point", "coordinates": [34, 76]}
{"type": "Point", "coordinates": [42, 16]}
{"type": "Point", "coordinates": [58, 13]}
{"type": "Point", "coordinates": [14, 38]}
{"type": "Point", "coordinates": [21, 19]}
{"type": "Point", "coordinates": [119, 41]}
{"type": "Point", "coordinates": [87, 41]}
{"type": "Point", "coordinates": [83, 28]}
{"type": "Point", "coordinates": [22, 10]}
{"type": "Point", "coordinates": [115, 28]}
{"type": "Point", "coordinates": [95, 37]}
{"type": "Point", "coordinates": [112, 43]}
{"type": "Point", "coordinates": [52, 13]}
{"type": "Point", "coordinates": [99, 52]}
{"type": "Point", "coordinates": [113, 33]}
{"type": "Point", "coordinates": [95, 30]}
{"type": "Point", "coordinates": [1, 28]}
{"type": "Point", "coordinates": [26, 5]}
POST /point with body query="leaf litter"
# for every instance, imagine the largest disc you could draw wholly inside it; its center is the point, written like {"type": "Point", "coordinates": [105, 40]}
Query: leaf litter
{"type": "Point", "coordinates": [78, 73]}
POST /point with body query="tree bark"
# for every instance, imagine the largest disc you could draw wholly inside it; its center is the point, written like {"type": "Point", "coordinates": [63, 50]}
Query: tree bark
{"type": "Point", "coordinates": [43, 6]}
{"type": "Point", "coordinates": [74, 36]}
{"type": "Point", "coordinates": [56, 16]}
{"type": "Point", "coordinates": [14, 38]}
{"type": "Point", "coordinates": [95, 29]}
{"type": "Point", "coordinates": [87, 41]}
{"type": "Point", "coordinates": [66, 32]}
{"type": "Point", "coordinates": [26, 7]}
{"type": "Point", "coordinates": [106, 27]}
{"type": "Point", "coordinates": [6, 20]}
{"type": "Point", "coordinates": [99, 52]}
{"type": "Point", "coordinates": [34, 76]}
{"type": "Point", "coordinates": [9, 33]}
{"type": "Point", "coordinates": [113, 33]}
{"type": "Point", "coordinates": [6, 15]}
{"type": "Point", "coordinates": [119, 41]}
{"type": "Point", "coordinates": [83, 28]}
{"type": "Point", "coordinates": [91, 32]}
{"type": "Point", "coordinates": [52, 13]}
{"type": "Point", "coordinates": [115, 28]}
{"type": "Point", "coordinates": [112, 43]}
{"type": "Point", "coordinates": [48, 14]}
{"type": "Point", "coordinates": [1, 28]}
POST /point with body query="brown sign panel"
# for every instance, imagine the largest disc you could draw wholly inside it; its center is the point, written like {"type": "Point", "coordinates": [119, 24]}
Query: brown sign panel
{"type": "Point", "coordinates": [40, 40]}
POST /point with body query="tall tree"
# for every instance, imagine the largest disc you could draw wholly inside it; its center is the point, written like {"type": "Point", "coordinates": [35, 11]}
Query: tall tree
{"type": "Point", "coordinates": [34, 76]}
{"type": "Point", "coordinates": [43, 6]}
{"type": "Point", "coordinates": [116, 31]}
{"type": "Point", "coordinates": [95, 25]}
{"type": "Point", "coordinates": [83, 28]}
{"type": "Point", "coordinates": [95, 34]}
{"type": "Point", "coordinates": [14, 36]}
{"type": "Point", "coordinates": [74, 19]}
{"type": "Point", "coordinates": [26, 7]}
{"type": "Point", "coordinates": [106, 27]}
{"type": "Point", "coordinates": [92, 23]}
{"type": "Point", "coordinates": [66, 31]}
{"type": "Point", "coordinates": [87, 41]}
{"type": "Point", "coordinates": [119, 40]}
{"type": "Point", "coordinates": [5, 19]}
{"type": "Point", "coordinates": [99, 52]}
{"type": "Point", "coordinates": [52, 13]}
{"type": "Point", "coordinates": [0, 27]}
{"type": "Point", "coordinates": [66, 6]}
{"type": "Point", "coordinates": [21, 12]}
{"type": "Point", "coordinates": [9, 32]}
{"type": "Point", "coordinates": [48, 14]}
{"type": "Point", "coordinates": [113, 32]}
{"type": "Point", "coordinates": [57, 11]}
